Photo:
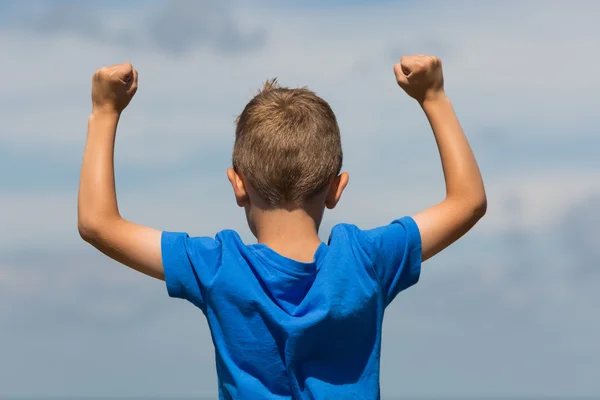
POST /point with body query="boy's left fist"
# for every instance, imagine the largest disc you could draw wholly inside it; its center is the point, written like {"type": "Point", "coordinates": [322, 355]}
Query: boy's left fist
{"type": "Point", "coordinates": [113, 87]}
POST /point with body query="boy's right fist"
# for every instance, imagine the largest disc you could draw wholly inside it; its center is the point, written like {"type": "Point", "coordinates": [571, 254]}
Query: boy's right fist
{"type": "Point", "coordinates": [420, 76]}
{"type": "Point", "coordinates": [113, 87]}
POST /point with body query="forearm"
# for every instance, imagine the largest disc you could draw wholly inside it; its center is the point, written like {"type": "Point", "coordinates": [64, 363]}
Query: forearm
{"type": "Point", "coordinates": [465, 202]}
{"type": "Point", "coordinates": [461, 172]}
{"type": "Point", "coordinates": [97, 202]}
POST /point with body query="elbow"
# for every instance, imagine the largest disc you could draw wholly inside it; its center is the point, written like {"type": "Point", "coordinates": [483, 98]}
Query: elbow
{"type": "Point", "coordinates": [91, 228]}
{"type": "Point", "coordinates": [471, 208]}
{"type": "Point", "coordinates": [87, 230]}
{"type": "Point", "coordinates": [94, 229]}
{"type": "Point", "coordinates": [479, 207]}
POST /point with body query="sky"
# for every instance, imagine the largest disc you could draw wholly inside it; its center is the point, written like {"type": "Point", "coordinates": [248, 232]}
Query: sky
{"type": "Point", "coordinates": [510, 310]}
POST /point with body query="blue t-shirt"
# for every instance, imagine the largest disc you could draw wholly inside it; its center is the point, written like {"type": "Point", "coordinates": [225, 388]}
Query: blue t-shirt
{"type": "Point", "coordinates": [284, 329]}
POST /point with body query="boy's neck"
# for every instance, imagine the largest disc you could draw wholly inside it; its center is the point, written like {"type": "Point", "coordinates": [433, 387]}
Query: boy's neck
{"type": "Point", "coordinates": [292, 234]}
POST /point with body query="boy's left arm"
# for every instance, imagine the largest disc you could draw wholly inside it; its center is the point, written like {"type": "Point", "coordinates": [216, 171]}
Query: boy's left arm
{"type": "Point", "coordinates": [99, 221]}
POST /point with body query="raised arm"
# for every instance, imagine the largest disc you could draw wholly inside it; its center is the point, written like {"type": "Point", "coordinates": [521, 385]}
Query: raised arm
{"type": "Point", "coordinates": [99, 221]}
{"type": "Point", "coordinates": [465, 202]}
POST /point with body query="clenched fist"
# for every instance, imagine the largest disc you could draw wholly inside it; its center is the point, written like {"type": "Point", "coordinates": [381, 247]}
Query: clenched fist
{"type": "Point", "coordinates": [113, 87]}
{"type": "Point", "coordinates": [420, 76]}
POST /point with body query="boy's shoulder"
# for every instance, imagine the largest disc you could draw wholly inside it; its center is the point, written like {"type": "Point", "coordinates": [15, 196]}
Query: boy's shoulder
{"type": "Point", "coordinates": [368, 235]}
{"type": "Point", "coordinates": [344, 236]}
{"type": "Point", "coordinates": [342, 231]}
{"type": "Point", "coordinates": [380, 241]}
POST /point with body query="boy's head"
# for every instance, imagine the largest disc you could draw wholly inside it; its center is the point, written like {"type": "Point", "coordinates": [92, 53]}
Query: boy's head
{"type": "Point", "coordinates": [287, 151]}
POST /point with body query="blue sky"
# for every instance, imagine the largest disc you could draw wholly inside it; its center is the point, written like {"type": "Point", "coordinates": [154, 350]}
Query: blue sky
{"type": "Point", "coordinates": [510, 310]}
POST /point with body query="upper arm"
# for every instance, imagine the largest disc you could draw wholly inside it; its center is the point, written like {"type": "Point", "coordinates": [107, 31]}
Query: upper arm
{"type": "Point", "coordinates": [133, 245]}
{"type": "Point", "coordinates": [444, 223]}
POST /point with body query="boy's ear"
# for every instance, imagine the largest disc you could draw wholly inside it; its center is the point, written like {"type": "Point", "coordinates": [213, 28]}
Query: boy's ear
{"type": "Point", "coordinates": [239, 190]}
{"type": "Point", "coordinates": [336, 189]}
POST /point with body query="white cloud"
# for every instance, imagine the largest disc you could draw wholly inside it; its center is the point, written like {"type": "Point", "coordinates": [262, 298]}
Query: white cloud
{"type": "Point", "coordinates": [204, 205]}
{"type": "Point", "coordinates": [499, 73]}
{"type": "Point", "coordinates": [535, 201]}
{"type": "Point", "coordinates": [504, 311]}
{"type": "Point", "coordinates": [463, 327]}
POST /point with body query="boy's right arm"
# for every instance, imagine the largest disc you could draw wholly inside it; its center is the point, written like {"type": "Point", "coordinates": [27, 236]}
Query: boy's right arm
{"type": "Point", "coordinates": [99, 221]}
{"type": "Point", "coordinates": [184, 263]}
{"type": "Point", "coordinates": [465, 202]}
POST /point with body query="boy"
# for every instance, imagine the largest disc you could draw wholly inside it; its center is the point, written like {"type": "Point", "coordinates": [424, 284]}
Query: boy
{"type": "Point", "coordinates": [291, 317]}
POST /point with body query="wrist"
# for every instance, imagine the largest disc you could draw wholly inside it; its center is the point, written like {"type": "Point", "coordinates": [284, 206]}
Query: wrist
{"type": "Point", "coordinates": [104, 115]}
{"type": "Point", "coordinates": [103, 123]}
{"type": "Point", "coordinates": [434, 99]}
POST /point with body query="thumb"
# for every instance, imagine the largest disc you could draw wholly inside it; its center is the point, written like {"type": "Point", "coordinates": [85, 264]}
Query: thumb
{"type": "Point", "coordinates": [401, 76]}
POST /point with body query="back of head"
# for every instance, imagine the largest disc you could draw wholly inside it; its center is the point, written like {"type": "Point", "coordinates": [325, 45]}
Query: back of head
{"type": "Point", "coordinates": [287, 145]}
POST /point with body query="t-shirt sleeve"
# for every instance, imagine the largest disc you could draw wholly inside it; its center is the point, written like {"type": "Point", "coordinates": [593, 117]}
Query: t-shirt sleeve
{"type": "Point", "coordinates": [395, 251]}
{"type": "Point", "coordinates": [189, 265]}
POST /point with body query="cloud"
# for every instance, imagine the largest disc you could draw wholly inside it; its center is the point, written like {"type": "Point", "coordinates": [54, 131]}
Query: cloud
{"type": "Point", "coordinates": [472, 324]}
{"type": "Point", "coordinates": [41, 287]}
{"type": "Point", "coordinates": [173, 27]}
{"type": "Point", "coordinates": [507, 314]}
{"type": "Point", "coordinates": [200, 201]}
{"type": "Point", "coordinates": [508, 310]}
{"type": "Point", "coordinates": [540, 197]}
{"type": "Point", "coordinates": [195, 99]}
{"type": "Point", "coordinates": [186, 23]}
{"type": "Point", "coordinates": [76, 321]}
{"type": "Point", "coordinates": [579, 235]}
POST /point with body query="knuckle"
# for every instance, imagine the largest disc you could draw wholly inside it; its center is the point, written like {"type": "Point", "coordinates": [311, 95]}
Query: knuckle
{"type": "Point", "coordinates": [98, 74]}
